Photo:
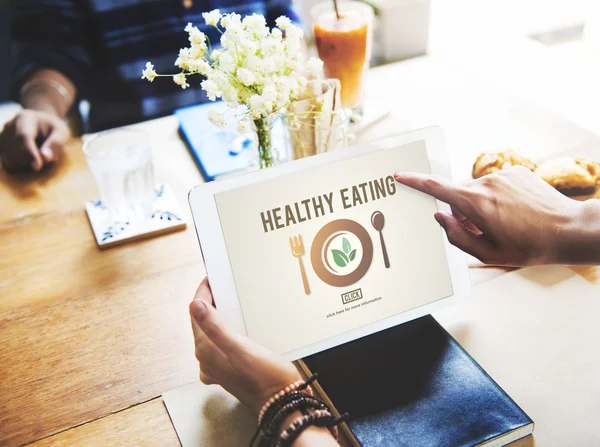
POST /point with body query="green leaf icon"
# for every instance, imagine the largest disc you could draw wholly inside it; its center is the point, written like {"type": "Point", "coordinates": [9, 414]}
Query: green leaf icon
{"type": "Point", "coordinates": [352, 255]}
{"type": "Point", "coordinates": [340, 258]}
{"type": "Point", "coordinates": [346, 245]}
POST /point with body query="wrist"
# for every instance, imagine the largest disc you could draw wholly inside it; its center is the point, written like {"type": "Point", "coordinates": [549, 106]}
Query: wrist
{"type": "Point", "coordinates": [313, 435]}
{"type": "Point", "coordinates": [48, 91]}
{"type": "Point", "coordinates": [577, 240]}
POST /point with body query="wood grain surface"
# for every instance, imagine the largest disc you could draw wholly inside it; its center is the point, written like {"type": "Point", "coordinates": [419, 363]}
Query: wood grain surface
{"type": "Point", "coordinates": [85, 333]}
{"type": "Point", "coordinates": [144, 425]}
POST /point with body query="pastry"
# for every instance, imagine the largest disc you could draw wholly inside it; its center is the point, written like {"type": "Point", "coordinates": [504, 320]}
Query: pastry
{"type": "Point", "coordinates": [488, 163]}
{"type": "Point", "coordinates": [569, 174]}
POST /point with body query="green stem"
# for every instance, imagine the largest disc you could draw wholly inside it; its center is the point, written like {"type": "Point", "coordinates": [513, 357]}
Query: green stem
{"type": "Point", "coordinates": [265, 149]}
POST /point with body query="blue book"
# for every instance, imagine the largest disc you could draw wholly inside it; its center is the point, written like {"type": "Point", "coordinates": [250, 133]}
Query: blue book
{"type": "Point", "coordinates": [220, 152]}
{"type": "Point", "coordinates": [413, 385]}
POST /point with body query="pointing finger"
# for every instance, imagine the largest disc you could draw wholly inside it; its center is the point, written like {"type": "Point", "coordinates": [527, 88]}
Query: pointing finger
{"type": "Point", "coordinates": [434, 186]}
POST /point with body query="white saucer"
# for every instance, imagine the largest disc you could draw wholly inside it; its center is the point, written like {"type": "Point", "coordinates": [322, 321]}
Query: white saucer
{"type": "Point", "coordinates": [166, 217]}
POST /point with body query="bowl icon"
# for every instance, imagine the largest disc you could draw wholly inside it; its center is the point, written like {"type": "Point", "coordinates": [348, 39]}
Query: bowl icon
{"type": "Point", "coordinates": [341, 252]}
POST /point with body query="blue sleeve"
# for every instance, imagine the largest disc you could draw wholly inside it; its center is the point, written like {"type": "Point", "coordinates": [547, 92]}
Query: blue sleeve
{"type": "Point", "coordinates": [48, 34]}
{"type": "Point", "coordinates": [278, 8]}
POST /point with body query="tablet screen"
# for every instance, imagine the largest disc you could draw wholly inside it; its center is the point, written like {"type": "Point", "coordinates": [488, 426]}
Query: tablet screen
{"type": "Point", "coordinates": [330, 249]}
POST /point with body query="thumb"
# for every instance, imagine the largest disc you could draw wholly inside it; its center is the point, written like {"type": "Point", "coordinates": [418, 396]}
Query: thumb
{"type": "Point", "coordinates": [52, 145]}
{"type": "Point", "coordinates": [208, 320]}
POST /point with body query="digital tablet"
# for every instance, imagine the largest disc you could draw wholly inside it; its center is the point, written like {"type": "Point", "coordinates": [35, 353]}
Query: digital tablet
{"type": "Point", "coordinates": [321, 251]}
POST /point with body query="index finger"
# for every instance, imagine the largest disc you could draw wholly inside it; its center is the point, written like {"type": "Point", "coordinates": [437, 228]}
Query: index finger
{"type": "Point", "coordinates": [454, 195]}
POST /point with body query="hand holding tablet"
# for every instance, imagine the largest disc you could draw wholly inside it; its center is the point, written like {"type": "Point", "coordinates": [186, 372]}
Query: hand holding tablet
{"type": "Point", "coordinates": [328, 249]}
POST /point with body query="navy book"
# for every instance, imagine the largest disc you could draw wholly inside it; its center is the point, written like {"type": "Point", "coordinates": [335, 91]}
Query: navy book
{"type": "Point", "coordinates": [414, 385]}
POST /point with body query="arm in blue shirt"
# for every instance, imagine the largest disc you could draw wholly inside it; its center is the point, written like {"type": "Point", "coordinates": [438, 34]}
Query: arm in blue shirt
{"type": "Point", "coordinates": [48, 34]}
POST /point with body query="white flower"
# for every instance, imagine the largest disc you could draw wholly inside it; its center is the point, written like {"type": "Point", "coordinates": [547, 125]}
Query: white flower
{"type": "Point", "coordinates": [197, 51]}
{"type": "Point", "coordinates": [257, 25]}
{"type": "Point", "coordinates": [148, 72]}
{"type": "Point", "coordinates": [246, 76]}
{"type": "Point", "coordinates": [211, 88]}
{"type": "Point", "coordinates": [231, 21]}
{"type": "Point", "coordinates": [230, 96]}
{"type": "Point", "coordinates": [243, 126]}
{"type": "Point", "coordinates": [252, 62]}
{"type": "Point", "coordinates": [183, 60]}
{"type": "Point", "coordinates": [269, 93]}
{"type": "Point", "coordinates": [255, 21]}
{"type": "Point", "coordinates": [217, 119]}
{"type": "Point", "coordinates": [196, 37]}
{"type": "Point", "coordinates": [248, 46]}
{"type": "Point", "coordinates": [272, 47]}
{"type": "Point", "coordinates": [314, 66]}
{"type": "Point", "coordinates": [212, 18]}
{"type": "Point", "coordinates": [226, 62]}
{"type": "Point", "coordinates": [276, 34]}
{"type": "Point", "coordinates": [294, 33]}
{"type": "Point", "coordinates": [255, 66]}
{"type": "Point", "coordinates": [198, 66]}
{"type": "Point", "coordinates": [180, 79]}
{"type": "Point", "coordinates": [204, 67]}
{"type": "Point", "coordinates": [258, 106]}
{"type": "Point", "coordinates": [283, 23]}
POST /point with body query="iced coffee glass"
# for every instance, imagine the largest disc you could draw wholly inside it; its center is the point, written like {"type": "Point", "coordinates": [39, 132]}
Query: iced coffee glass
{"type": "Point", "coordinates": [344, 46]}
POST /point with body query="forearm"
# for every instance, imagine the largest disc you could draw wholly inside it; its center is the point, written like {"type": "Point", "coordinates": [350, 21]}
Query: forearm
{"type": "Point", "coordinates": [48, 91]}
{"type": "Point", "coordinates": [579, 242]}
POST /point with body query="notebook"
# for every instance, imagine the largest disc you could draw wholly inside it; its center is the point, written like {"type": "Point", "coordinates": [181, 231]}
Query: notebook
{"type": "Point", "coordinates": [219, 152]}
{"type": "Point", "coordinates": [414, 385]}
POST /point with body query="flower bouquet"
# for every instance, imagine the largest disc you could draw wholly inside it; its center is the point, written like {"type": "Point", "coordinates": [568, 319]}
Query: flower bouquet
{"type": "Point", "coordinates": [255, 66]}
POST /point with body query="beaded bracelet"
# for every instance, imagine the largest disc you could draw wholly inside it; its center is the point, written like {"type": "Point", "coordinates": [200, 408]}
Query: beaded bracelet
{"type": "Point", "coordinates": [278, 404]}
{"type": "Point", "coordinates": [299, 385]}
{"type": "Point", "coordinates": [302, 403]}
{"type": "Point", "coordinates": [283, 396]}
{"type": "Point", "coordinates": [273, 409]}
{"type": "Point", "coordinates": [320, 418]}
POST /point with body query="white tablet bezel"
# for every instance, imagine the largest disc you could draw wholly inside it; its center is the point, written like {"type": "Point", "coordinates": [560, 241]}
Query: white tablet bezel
{"type": "Point", "coordinates": [206, 219]}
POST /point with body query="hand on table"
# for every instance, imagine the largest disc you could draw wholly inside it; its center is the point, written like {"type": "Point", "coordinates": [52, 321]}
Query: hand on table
{"type": "Point", "coordinates": [18, 140]}
{"type": "Point", "coordinates": [511, 218]}
{"type": "Point", "coordinates": [249, 371]}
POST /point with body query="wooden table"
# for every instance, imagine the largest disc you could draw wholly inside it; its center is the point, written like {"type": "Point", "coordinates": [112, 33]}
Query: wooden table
{"type": "Point", "coordinates": [89, 339]}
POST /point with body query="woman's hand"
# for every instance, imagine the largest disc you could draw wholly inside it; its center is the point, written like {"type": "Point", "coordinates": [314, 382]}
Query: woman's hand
{"type": "Point", "coordinates": [18, 140]}
{"type": "Point", "coordinates": [511, 218]}
{"type": "Point", "coordinates": [249, 371]}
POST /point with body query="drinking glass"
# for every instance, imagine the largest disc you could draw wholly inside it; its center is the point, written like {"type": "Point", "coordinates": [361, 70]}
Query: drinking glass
{"type": "Point", "coordinates": [344, 46]}
{"type": "Point", "coordinates": [121, 162]}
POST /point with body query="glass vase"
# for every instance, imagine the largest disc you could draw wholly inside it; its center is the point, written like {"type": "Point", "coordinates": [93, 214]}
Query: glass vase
{"type": "Point", "coordinates": [272, 143]}
{"type": "Point", "coordinates": [264, 143]}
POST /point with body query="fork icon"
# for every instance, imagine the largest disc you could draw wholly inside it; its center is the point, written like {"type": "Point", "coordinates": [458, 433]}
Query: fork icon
{"type": "Point", "coordinates": [297, 246]}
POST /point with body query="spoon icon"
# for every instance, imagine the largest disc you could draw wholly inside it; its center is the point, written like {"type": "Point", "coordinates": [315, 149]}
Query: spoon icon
{"type": "Point", "coordinates": [378, 221]}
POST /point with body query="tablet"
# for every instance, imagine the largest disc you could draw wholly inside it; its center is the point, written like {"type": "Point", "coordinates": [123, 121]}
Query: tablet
{"type": "Point", "coordinates": [321, 251]}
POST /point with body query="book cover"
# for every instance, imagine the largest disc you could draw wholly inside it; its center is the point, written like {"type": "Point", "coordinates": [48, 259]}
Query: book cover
{"type": "Point", "coordinates": [414, 385]}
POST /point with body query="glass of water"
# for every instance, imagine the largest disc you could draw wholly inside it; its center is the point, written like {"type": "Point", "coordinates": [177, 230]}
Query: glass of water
{"type": "Point", "coordinates": [121, 162]}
